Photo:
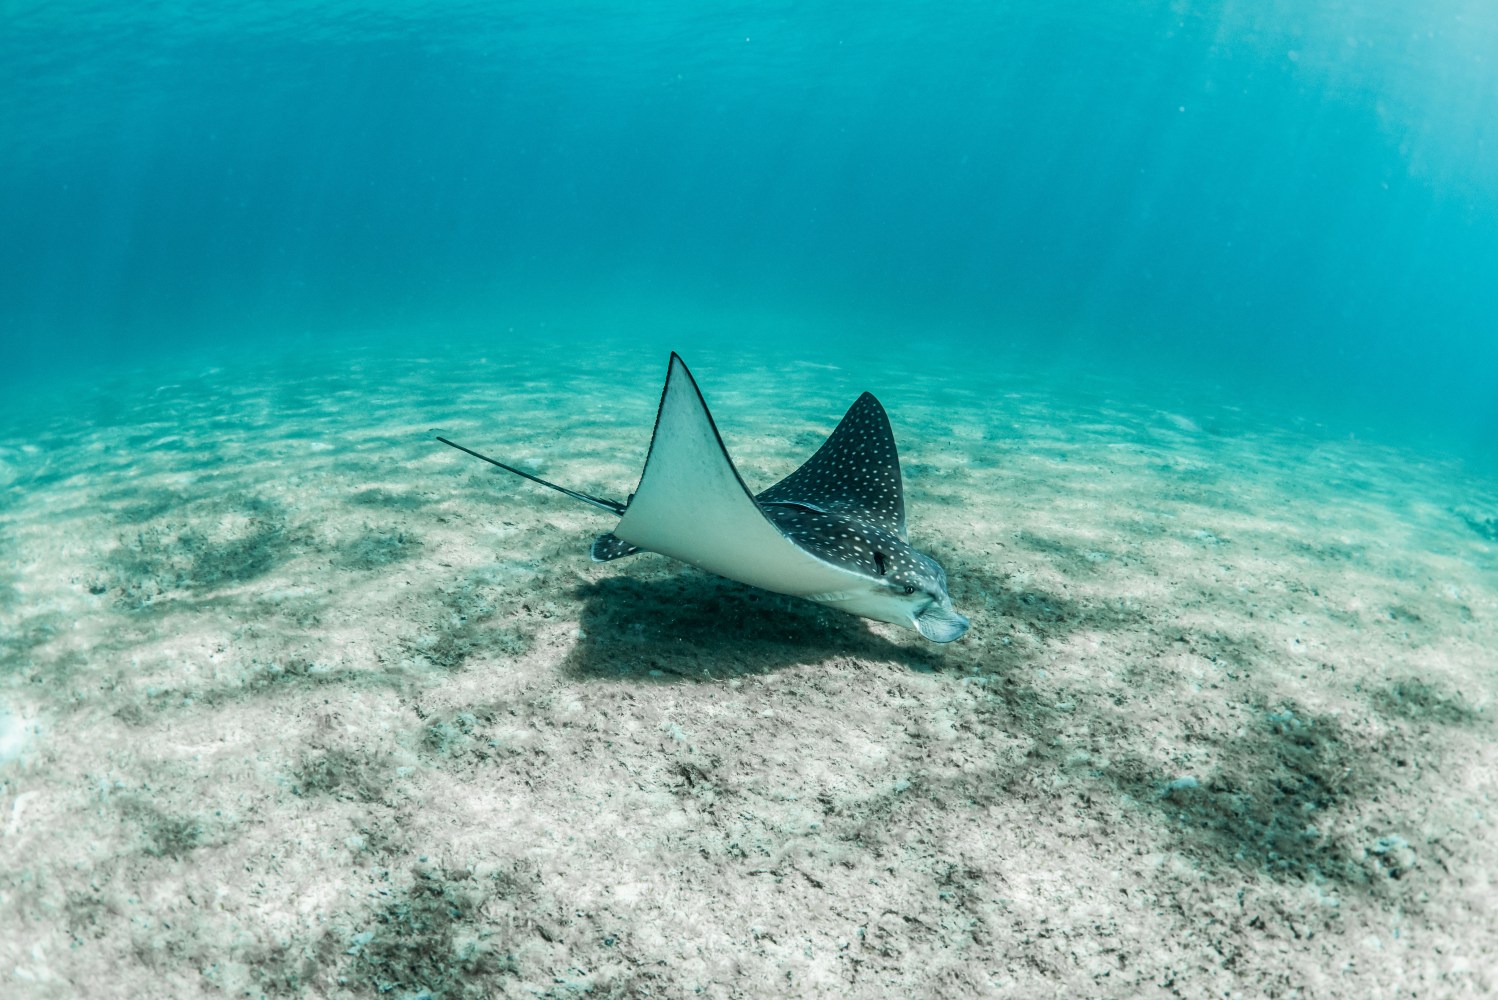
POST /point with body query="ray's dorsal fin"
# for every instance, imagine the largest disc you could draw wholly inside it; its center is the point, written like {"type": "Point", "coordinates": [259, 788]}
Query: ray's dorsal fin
{"type": "Point", "coordinates": [856, 472]}
{"type": "Point", "coordinates": [612, 506]}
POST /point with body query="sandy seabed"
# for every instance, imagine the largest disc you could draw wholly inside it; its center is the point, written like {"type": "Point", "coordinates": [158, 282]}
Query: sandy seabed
{"type": "Point", "coordinates": [295, 702]}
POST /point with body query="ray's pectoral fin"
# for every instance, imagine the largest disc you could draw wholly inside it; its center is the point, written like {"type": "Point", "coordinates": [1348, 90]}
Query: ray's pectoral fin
{"type": "Point", "coordinates": [855, 472]}
{"type": "Point", "coordinates": [692, 505]}
{"type": "Point", "coordinates": [608, 547]}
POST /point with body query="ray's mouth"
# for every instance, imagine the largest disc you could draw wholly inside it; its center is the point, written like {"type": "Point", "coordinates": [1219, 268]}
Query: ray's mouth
{"type": "Point", "coordinates": [941, 624]}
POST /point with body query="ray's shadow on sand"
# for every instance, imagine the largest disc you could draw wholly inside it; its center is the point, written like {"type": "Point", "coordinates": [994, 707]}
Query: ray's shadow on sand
{"type": "Point", "coordinates": [1246, 812]}
{"type": "Point", "coordinates": [695, 627]}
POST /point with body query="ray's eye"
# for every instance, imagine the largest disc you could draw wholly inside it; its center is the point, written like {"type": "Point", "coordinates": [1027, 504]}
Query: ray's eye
{"type": "Point", "coordinates": [909, 589]}
{"type": "Point", "coordinates": [879, 562]}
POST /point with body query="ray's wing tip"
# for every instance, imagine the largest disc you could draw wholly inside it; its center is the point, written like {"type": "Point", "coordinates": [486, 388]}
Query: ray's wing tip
{"type": "Point", "coordinates": [676, 366]}
{"type": "Point", "coordinates": [868, 403]}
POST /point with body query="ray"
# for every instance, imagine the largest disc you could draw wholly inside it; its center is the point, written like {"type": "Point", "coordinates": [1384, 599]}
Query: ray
{"type": "Point", "coordinates": [833, 531]}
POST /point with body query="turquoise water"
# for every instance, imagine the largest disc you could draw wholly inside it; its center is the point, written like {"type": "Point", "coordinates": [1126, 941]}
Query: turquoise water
{"type": "Point", "coordinates": [1181, 313]}
{"type": "Point", "coordinates": [1295, 204]}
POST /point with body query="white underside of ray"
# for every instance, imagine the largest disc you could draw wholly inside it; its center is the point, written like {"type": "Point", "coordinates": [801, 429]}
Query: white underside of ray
{"type": "Point", "coordinates": [691, 505]}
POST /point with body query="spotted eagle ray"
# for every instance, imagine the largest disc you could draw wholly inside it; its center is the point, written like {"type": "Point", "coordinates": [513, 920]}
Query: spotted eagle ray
{"type": "Point", "coordinates": [832, 532]}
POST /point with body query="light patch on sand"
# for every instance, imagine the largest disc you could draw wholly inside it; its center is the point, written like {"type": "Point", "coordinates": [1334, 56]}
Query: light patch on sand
{"type": "Point", "coordinates": [16, 730]}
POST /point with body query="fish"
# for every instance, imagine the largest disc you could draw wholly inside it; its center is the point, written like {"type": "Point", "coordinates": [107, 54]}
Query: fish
{"type": "Point", "coordinates": [833, 531]}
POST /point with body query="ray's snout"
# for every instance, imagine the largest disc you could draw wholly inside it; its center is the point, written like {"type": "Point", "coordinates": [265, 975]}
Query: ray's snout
{"type": "Point", "coordinates": [941, 624]}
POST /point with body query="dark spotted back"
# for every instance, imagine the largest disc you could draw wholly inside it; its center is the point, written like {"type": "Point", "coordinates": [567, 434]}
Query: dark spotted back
{"type": "Point", "coordinates": [855, 473]}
